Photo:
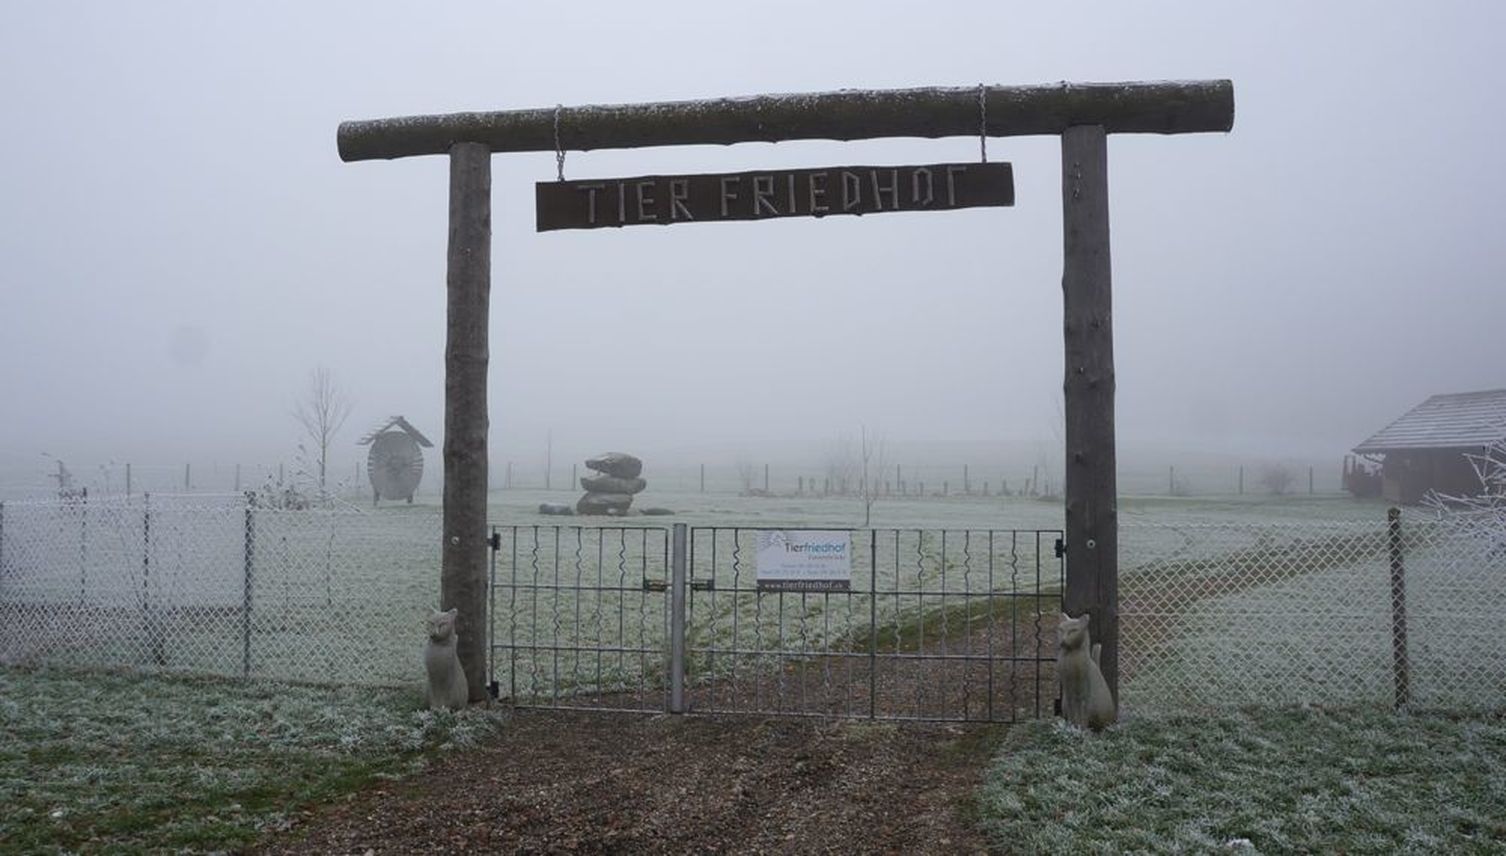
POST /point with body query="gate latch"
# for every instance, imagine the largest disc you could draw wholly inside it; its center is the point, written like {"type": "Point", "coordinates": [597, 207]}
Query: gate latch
{"type": "Point", "coordinates": [702, 585]}
{"type": "Point", "coordinates": [495, 542]}
{"type": "Point", "coordinates": [655, 585]}
{"type": "Point", "coordinates": [1061, 548]}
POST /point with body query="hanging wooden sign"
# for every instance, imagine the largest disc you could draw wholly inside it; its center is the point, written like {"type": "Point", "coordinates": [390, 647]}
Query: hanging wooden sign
{"type": "Point", "coordinates": [668, 199]}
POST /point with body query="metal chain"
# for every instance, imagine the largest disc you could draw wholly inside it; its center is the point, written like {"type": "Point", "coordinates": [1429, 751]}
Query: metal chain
{"type": "Point", "coordinates": [983, 122]}
{"type": "Point", "coordinates": [559, 152]}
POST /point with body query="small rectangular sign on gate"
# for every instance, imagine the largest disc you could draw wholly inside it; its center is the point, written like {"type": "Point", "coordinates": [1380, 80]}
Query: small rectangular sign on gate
{"type": "Point", "coordinates": [804, 560]}
{"type": "Point", "coordinates": [769, 194]}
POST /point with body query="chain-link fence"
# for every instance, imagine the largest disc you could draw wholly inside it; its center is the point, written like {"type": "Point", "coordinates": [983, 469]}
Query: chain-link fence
{"type": "Point", "coordinates": [1408, 610]}
{"type": "Point", "coordinates": [218, 586]}
{"type": "Point", "coordinates": [1211, 615]}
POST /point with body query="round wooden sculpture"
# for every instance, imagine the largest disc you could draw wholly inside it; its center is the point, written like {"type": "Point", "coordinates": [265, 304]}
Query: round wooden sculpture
{"type": "Point", "coordinates": [395, 465]}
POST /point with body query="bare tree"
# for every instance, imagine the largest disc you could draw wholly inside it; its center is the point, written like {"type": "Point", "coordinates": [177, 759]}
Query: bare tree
{"type": "Point", "coordinates": [1276, 478]}
{"type": "Point", "coordinates": [871, 452]}
{"type": "Point", "coordinates": [1479, 514]}
{"type": "Point", "coordinates": [321, 410]}
{"type": "Point", "coordinates": [842, 465]}
{"type": "Point", "coordinates": [747, 474]}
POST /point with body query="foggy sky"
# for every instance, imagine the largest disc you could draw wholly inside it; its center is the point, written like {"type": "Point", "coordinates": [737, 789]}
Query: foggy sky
{"type": "Point", "coordinates": [180, 244]}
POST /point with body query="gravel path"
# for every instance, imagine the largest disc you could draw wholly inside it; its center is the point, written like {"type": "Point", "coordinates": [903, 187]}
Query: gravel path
{"type": "Point", "coordinates": [562, 782]}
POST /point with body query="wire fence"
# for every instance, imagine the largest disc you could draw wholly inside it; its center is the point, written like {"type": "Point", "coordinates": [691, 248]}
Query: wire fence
{"type": "Point", "coordinates": [1405, 611]}
{"type": "Point", "coordinates": [1369, 612]}
{"type": "Point", "coordinates": [217, 585]}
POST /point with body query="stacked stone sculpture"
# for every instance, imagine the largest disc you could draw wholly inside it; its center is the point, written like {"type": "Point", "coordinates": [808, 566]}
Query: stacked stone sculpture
{"type": "Point", "coordinates": [615, 480]}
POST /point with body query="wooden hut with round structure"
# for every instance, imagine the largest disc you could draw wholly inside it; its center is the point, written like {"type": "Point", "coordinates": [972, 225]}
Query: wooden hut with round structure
{"type": "Point", "coordinates": [395, 463]}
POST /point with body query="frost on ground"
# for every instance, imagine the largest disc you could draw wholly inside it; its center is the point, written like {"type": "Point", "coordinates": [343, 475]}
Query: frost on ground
{"type": "Point", "coordinates": [105, 761]}
{"type": "Point", "coordinates": [1273, 781]}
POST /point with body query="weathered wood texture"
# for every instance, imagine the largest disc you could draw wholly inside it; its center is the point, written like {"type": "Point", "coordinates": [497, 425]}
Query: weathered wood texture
{"type": "Point", "coordinates": [1087, 313]}
{"type": "Point", "coordinates": [826, 192]}
{"type": "Point", "coordinates": [1163, 107]}
{"type": "Point", "coordinates": [463, 574]}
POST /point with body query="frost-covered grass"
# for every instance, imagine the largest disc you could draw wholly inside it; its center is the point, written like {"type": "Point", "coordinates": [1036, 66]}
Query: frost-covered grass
{"type": "Point", "coordinates": [105, 762]}
{"type": "Point", "coordinates": [1267, 781]}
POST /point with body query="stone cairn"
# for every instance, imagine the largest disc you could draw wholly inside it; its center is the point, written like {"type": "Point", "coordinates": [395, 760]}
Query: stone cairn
{"type": "Point", "coordinates": [615, 480]}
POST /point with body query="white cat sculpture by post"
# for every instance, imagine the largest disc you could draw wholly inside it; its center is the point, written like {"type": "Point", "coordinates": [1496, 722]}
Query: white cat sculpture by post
{"type": "Point", "coordinates": [447, 687]}
{"type": "Point", "coordinates": [1086, 700]}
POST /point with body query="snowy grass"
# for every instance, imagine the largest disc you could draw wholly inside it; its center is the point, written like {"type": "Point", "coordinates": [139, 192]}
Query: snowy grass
{"type": "Point", "coordinates": [95, 762]}
{"type": "Point", "coordinates": [1256, 781]}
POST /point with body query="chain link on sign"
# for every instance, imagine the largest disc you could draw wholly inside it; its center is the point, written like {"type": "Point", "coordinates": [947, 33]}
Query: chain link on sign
{"type": "Point", "coordinates": [983, 122]}
{"type": "Point", "coordinates": [559, 152]}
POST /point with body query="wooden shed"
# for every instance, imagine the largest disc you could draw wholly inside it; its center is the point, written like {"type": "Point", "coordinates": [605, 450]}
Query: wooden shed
{"type": "Point", "coordinates": [1428, 449]}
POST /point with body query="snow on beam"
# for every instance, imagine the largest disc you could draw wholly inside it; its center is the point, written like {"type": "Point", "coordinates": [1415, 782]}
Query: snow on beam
{"type": "Point", "coordinates": [1162, 107]}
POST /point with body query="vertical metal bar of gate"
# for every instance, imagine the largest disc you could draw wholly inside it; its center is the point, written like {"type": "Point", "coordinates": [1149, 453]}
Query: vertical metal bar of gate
{"type": "Point", "coordinates": [677, 586]}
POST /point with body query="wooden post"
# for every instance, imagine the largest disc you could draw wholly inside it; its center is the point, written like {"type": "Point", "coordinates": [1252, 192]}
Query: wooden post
{"type": "Point", "coordinates": [186, 470]}
{"type": "Point", "coordinates": [1399, 667]}
{"type": "Point", "coordinates": [1309, 481]}
{"type": "Point", "coordinates": [703, 478]}
{"type": "Point", "coordinates": [1092, 561]}
{"type": "Point", "coordinates": [765, 478]}
{"type": "Point", "coordinates": [1241, 480]}
{"type": "Point", "coordinates": [238, 476]}
{"type": "Point", "coordinates": [462, 582]}
{"type": "Point", "coordinates": [1171, 480]}
{"type": "Point", "coordinates": [128, 480]}
{"type": "Point", "coordinates": [574, 476]}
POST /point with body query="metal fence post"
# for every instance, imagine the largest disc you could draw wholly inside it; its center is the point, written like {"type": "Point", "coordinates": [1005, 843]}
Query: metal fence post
{"type": "Point", "coordinates": [873, 622]}
{"type": "Point", "coordinates": [677, 588]}
{"type": "Point", "coordinates": [247, 584]}
{"type": "Point", "coordinates": [1399, 667]}
{"type": "Point", "coordinates": [153, 626]}
{"type": "Point", "coordinates": [83, 546]}
{"type": "Point", "coordinates": [2, 538]}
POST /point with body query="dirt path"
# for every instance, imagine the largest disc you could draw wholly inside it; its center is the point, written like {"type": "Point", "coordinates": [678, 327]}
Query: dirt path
{"type": "Point", "coordinates": [559, 782]}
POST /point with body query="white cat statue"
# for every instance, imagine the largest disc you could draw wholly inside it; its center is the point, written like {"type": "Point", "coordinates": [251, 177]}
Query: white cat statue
{"type": "Point", "coordinates": [1086, 700]}
{"type": "Point", "coordinates": [447, 686]}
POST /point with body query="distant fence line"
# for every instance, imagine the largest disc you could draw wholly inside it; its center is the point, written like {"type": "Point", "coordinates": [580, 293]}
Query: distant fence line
{"type": "Point", "coordinates": [1212, 615]}
{"type": "Point", "coordinates": [943, 480]}
{"type": "Point", "coordinates": [348, 479]}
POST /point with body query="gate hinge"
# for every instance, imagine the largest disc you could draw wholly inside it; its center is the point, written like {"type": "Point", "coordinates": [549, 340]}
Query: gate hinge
{"type": "Point", "coordinates": [493, 690]}
{"type": "Point", "coordinates": [702, 585]}
{"type": "Point", "coordinates": [1061, 548]}
{"type": "Point", "coordinates": [495, 542]}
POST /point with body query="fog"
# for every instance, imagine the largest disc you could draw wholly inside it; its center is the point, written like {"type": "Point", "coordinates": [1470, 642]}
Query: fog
{"type": "Point", "coordinates": [180, 244]}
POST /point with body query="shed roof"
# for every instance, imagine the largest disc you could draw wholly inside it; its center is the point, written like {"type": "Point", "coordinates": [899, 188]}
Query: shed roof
{"type": "Point", "coordinates": [1452, 421]}
{"type": "Point", "coordinates": [399, 422]}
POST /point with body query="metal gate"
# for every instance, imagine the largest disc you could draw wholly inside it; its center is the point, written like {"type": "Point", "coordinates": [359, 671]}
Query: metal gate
{"type": "Point", "coordinates": [944, 625]}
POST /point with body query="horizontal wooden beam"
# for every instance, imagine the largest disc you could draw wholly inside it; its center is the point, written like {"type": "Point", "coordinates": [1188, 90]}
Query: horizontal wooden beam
{"type": "Point", "coordinates": [1163, 107]}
